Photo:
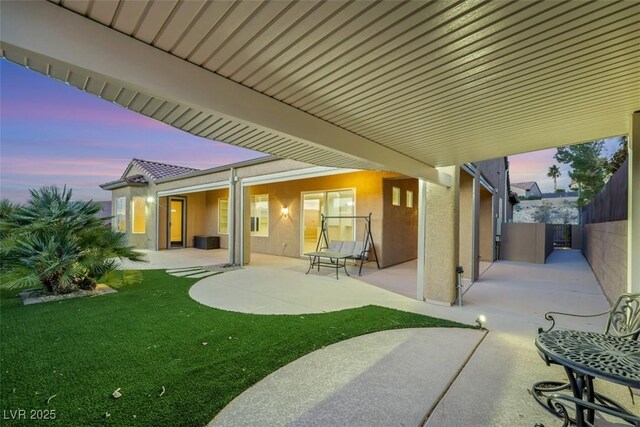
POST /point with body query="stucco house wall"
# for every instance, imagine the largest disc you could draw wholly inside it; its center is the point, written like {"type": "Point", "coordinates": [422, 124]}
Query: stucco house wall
{"type": "Point", "coordinates": [284, 232]}
{"type": "Point", "coordinates": [201, 220]}
{"type": "Point", "coordinates": [400, 223]}
{"type": "Point", "coordinates": [147, 239]}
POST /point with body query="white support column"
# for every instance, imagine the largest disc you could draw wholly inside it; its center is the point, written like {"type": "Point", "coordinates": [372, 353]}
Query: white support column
{"type": "Point", "coordinates": [231, 226]}
{"type": "Point", "coordinates": [243, 221]}
{"type": "Point", "coordinates": [422, 238]}
{"type": "Point", "coordinates": [633, 219]}
{"type": "Point", "coordinates": [241, 228]}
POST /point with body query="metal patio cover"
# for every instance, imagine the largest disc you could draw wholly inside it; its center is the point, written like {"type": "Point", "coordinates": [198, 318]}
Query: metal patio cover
{"type": "Point", "coordinates": [405, 86]}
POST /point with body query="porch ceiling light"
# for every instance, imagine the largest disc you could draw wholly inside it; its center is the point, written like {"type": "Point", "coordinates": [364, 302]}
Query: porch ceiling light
{"type": "Point", "coordinates": [150, 199]}
{"type": "Point", "coordinates": [480, 321]}
{"type": "Point", "coordinates": [284, 211]}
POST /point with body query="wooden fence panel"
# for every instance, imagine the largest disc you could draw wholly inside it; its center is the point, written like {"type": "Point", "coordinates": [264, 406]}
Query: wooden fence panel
{"type": "Point", "coordinates": [611, 203]}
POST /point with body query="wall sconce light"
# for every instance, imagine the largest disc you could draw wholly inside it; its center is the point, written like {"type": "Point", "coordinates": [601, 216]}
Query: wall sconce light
{"type": "Point", "coordinates": [480, 321]}
{"type": "Point", "coordinates": [284, 211]}
{"type": "Point", "coordinates": [150, 199]}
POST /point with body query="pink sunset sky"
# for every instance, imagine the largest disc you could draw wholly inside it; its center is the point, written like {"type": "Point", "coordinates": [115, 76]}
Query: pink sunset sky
{"type": "Point", "coordinates": [534, 166]}
{"type": "Point", "coordinates": [54, 134]}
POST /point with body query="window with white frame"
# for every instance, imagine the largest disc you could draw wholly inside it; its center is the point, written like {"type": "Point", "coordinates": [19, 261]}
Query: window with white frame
{"type": "Point", "coordinates": [223, 215]}
{"type": "Point", "coordinates": [120, 223]}
{"type": "Point", "coordinates": [260, 215]}
{"type": "Point", "coordinates": [138, 215]}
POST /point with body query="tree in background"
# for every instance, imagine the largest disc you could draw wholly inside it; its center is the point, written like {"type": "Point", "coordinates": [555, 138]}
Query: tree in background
{"type": "Point", "coordinates": [554, 172]}
{"type": "Point", "coordinates": [588, 168]}
{"type": "Point", "coordinates": [618, 157]}
{"type": "Point", "coordinates": [57, 243]}
{"type": "Point", "coordinates": [544, 213]}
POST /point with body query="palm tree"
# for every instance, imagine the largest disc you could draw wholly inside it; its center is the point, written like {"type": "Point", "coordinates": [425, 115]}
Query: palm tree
{"type": "Point", "coordinates": [59, 244]}
{"type": "Point", "coordinates": [554, 172]}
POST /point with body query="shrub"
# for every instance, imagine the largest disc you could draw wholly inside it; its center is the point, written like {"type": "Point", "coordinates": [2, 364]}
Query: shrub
{"type": "Point", "coordinates": [59, 244]}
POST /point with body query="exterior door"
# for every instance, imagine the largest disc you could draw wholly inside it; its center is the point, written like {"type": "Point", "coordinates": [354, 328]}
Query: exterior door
{"type": "Point", "coordinates": [176, 223]}
{"type": "Point", "coordinates": [330, 203]}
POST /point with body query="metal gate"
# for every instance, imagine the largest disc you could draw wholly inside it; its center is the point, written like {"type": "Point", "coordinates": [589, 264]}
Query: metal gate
{"type": "Point", "coordinates": [561, 235]}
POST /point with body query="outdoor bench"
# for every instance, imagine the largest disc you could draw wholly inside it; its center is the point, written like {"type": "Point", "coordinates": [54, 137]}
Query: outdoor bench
{"type": "Point", "coordinates": [337, 253]}
{"type": "Point", "coordinates": [351, 249]}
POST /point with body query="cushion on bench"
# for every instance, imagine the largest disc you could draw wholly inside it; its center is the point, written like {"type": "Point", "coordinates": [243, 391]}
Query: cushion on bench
{"type": "Point", "coordinates": [335, 246]}
{"type": "Point", "coordinates": [354, 249]}
{"type": "Point", "coordinates": [347, 247]}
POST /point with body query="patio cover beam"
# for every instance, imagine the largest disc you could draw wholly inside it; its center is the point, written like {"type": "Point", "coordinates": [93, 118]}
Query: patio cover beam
{"type": "Point", "coordinates": [42, 31]}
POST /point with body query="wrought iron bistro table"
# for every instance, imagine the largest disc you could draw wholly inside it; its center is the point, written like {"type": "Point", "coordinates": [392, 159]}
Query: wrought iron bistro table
{"type": "Point", "coordinates": [585, 356]}
{"type": "Point", "coordinates": [316, 260]}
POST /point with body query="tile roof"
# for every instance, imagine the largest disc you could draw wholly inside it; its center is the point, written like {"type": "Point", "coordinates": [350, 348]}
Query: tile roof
{"type": "Point", "coordinates": [156, 170]}
{"type": "Point", "coordinates": [128, 180]}
{"type": "Point", "coordinates": [524, 185]}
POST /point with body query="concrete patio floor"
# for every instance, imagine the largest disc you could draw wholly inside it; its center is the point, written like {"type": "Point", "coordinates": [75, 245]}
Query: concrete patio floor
{"type": "Point", "coordinates": [177, 258]}
{"type": "Point", "coordinates": [491, 389]}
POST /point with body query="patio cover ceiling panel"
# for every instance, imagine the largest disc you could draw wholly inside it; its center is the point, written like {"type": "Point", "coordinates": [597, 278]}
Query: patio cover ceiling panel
{"type": "Point", "coordinates": [443, 82]}
{"type": "Point", "coordinates": [183, 117]}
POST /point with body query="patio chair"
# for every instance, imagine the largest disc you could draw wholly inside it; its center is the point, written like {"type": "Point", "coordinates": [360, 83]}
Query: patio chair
{"type": "Point", "coordinates": [623, 321]}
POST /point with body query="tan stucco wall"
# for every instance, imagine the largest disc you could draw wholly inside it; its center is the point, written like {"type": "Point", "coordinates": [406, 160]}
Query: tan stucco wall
{"type": "Point", "coordinates": [605, 248]}
{"type": "Point", "coordinates": [284, 233]}
{"type": "Point", "coordinates": [202, 216]}
{"type": "Point", "coordinates": [442, 239]}
{"type": "Point", "coordinates": [139, 241]}
{"type": "Point", "coordinates": [400, 223]}
{"type": "Point", "coordinates": [466, 224]}
{"type": "Point", "coordinates": [212, 211]}
{"type": "Point", "coordinates": [486, 222]}
{"type": "Point", "coordinates": [526, 242]}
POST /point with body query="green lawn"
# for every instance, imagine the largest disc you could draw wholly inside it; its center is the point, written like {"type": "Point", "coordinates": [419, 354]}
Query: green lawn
{"type": "Point", "coordinates": [149, 336]}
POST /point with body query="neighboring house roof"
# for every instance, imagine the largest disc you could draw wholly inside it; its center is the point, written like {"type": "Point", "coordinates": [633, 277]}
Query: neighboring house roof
{"type": "Point", "coordinates": [153, 171]}
{"type": "Point", "coordinates": [156, 170]}
{"type": "Point", "coordinates": [528, 185]}
{"type": "Point", "coordinates": [133, 180]}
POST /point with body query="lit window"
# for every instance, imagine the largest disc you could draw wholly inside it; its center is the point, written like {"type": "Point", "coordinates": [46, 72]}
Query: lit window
{"type": "Point", "coordinates": [138, 215]}
{"type": "Point", "coordinates": [121, 215]}
{"type": "Point", "coordinates": [395, 200]}
{"type": "Point", "coordinates": [260, 215]}
{"type": "Point", "coordinates": [223, 215]}
{"type": "Point", "coordinates": [409, 199]}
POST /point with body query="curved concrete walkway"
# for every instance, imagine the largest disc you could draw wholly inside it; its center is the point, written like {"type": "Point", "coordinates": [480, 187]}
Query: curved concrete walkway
{"type": "Point", "coordinates": [277, 285]}
{"type": "Point", "coordinates": [385, 378]}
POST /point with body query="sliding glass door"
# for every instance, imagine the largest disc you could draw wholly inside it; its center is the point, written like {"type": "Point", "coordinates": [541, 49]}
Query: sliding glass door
{"type": "Point", "coordinates": [335, 203]}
